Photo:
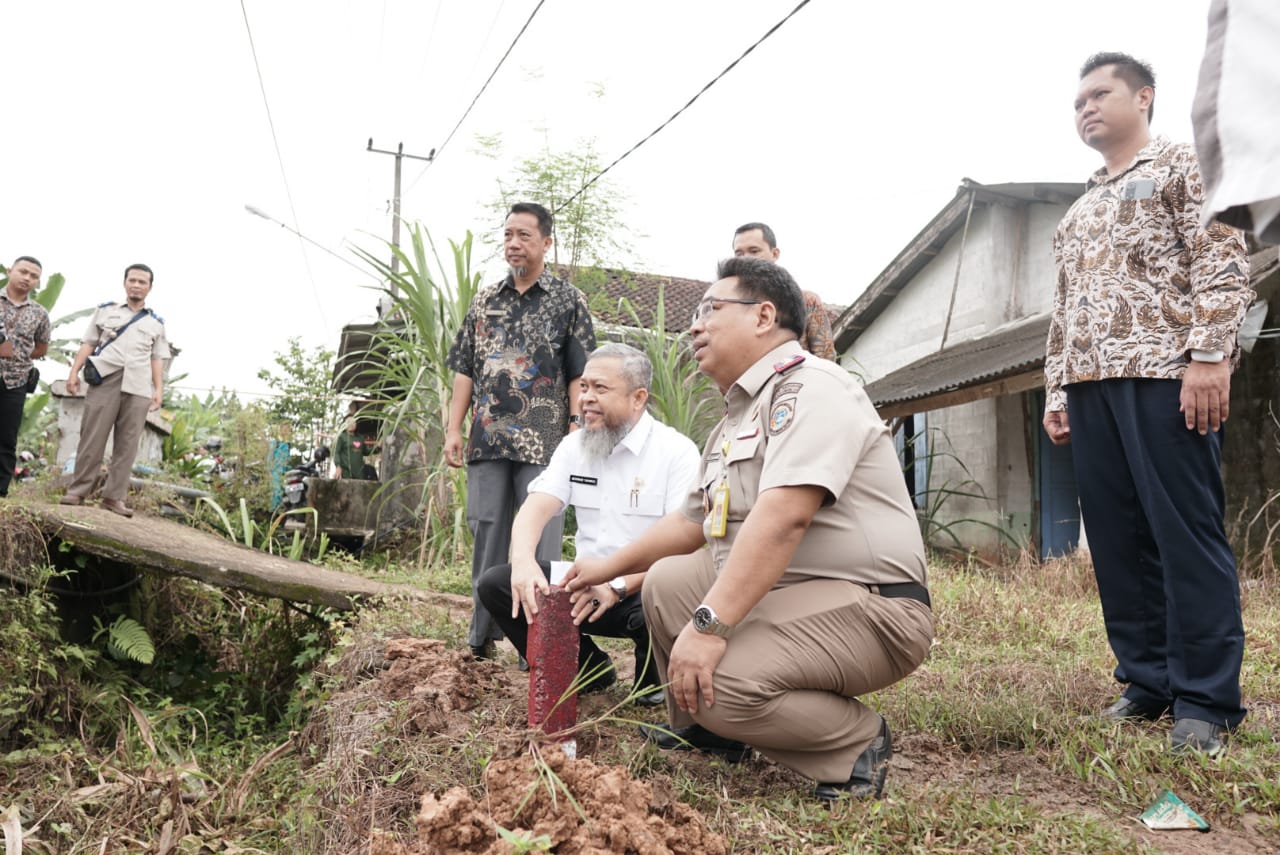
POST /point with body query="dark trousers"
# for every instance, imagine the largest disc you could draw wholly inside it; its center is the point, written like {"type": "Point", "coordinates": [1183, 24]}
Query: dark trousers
{"type": "Point", "coordinates": [495, 491]}
{"type": "Point", "coordinates": [1152, 500]}
{"type": "Point", "coordinates": [11, 402]}
{"type": "Point", "coordinates": [624, 620]}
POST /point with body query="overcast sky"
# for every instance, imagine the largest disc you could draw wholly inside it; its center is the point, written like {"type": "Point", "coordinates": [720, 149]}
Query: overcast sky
{"type": "Point", "coordinates": [136, 131]}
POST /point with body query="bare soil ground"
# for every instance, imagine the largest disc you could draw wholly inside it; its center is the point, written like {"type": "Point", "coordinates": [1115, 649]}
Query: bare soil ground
{"type": "Point", "coordinates": [618, 796]}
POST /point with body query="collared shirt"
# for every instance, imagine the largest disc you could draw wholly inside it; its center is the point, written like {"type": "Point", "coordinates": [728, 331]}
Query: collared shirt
{"type": "Point", "coordinates": [520, 351]}
{"type": "Point", "coordinates": [132, 351]}
{"type": "Point", "coordinates": [647, 475]}
{"type": "Point", "coordinates": [26, 324]}
{"type": "Point", "coordinates": [794, 421]}
{"type": "Point", "coordinates": [349, 453]}
{"type": "Point", "coordinates": [817, 328]}
{"type": "Point", "coordinates": [1141, 282]}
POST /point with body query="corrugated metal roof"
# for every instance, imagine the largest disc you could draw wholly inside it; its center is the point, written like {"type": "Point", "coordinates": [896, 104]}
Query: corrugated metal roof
{"type": "Point", "coordinates": [1012, 349]}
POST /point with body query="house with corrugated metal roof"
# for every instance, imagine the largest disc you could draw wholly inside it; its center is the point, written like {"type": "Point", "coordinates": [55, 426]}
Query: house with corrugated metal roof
{"type": "Point", "coordinates": [950, 340]}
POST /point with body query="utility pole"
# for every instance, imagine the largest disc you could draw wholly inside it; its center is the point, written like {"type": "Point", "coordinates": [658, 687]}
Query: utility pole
{"type": "Point", "coordinates": [399, 155]}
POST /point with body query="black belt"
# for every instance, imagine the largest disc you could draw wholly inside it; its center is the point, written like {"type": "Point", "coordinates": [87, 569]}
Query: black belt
{"type": "Point", "coordinates": [908, 590]}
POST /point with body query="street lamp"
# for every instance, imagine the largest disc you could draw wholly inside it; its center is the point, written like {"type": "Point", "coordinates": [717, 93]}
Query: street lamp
{"type": "Point", "coordinates": [258, 212]}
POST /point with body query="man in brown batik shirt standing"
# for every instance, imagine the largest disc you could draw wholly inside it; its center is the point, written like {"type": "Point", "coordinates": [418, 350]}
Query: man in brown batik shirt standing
{"type": "Point", "coordinates": [1140, 352]}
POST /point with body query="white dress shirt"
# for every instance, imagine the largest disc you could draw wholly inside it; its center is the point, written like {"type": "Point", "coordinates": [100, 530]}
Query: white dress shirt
{"type": "Point", "coordinates": [616, 499]}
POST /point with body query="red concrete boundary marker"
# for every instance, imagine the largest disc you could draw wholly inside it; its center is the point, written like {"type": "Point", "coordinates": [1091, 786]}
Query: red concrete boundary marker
{"type": "Point", "coordinates": [553, 664]}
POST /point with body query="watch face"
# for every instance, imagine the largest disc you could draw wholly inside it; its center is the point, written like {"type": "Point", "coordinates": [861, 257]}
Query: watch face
{"type": "Point", "coordinates": [703, 618]}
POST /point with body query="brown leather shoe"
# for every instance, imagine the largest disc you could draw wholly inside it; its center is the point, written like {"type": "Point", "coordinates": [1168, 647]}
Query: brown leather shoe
{"type": "Point", "coordinates": [71, 499]}
{"type": "Point", "coordinates": [117, 507]}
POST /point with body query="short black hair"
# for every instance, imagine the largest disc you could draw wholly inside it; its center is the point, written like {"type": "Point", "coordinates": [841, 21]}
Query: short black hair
{"type": "Point", "coordinates": [143, 268]}
{"type": "Point", "coordinates": [545, 223]}
{"type": "Point", "coordinates": [30, 258]}
{"type": "Point", "coordinates": [763, 280]}
{"type": "Point", "coordinates": [1133, 72]}
{"type": "Point", "coordinates": [769, 237]}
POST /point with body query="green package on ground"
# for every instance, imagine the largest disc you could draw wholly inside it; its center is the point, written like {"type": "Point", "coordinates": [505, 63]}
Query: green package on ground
{"type": "Point", "coordinates": [1170, 812]}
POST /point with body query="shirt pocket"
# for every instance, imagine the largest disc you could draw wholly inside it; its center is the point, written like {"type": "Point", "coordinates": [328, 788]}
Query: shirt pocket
{"type": "Point", "coordinates": [643, 504]}
{"type": "Point", "coordinates": [586, 496]}
{"type": "Point", "coordinates": [744, 476]}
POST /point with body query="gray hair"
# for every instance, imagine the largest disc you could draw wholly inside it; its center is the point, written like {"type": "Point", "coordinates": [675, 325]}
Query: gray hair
{"type": "Point", "coordinates": [636, 368]}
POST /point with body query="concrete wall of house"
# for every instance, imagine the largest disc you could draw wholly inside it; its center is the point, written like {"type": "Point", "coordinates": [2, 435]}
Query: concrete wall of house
{"type": "Point", "coordinates": [980, 448]}
{"type": "Point", "coordinates": [1007, 273]}
{"type": "Point", "coordinates": [964, 459]}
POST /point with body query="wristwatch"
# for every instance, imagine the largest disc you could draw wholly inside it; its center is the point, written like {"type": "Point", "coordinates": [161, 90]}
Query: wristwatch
{"type": "Point", "coordinates": [707, 622]}
{"type": "Point", "coordinates": [619, 587]}
{"type": "Point", "coordinates": [575, 419]}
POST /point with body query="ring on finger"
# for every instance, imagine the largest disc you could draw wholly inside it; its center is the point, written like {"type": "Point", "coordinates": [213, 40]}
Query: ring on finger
{"type": "Point", "coordinates": [595, 602]}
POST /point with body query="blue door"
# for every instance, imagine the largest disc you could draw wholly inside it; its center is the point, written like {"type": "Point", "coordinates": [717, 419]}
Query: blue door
{"type": "Point", "coordinates": [1055, 492]}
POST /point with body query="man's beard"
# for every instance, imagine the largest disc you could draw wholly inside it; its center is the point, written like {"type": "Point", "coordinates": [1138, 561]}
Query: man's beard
{"type": "Point", "coordinates": [518, 272]}
{"type": "Point", "coordinates": [599, 443]}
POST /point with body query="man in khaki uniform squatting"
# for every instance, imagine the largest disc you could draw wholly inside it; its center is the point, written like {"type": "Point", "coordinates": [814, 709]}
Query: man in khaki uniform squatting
{"type": "Point", "coordinates": [812, 591]}
{"type": "Point", "coordinates": [131, 363]}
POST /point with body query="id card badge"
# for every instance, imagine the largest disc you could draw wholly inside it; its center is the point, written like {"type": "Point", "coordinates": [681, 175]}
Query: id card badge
{"type": "Point", "coordinates": [720, 511]}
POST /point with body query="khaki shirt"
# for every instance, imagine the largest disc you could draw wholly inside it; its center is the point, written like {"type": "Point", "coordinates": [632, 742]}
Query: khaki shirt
{"type": "Point", "coordinates": [793, 421]}
{"type": "Point", "coordinates": [131, 352]}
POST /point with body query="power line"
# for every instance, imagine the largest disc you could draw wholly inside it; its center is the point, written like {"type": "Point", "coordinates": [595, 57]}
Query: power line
{"type": "Point", "coordinates": [275, 139]}
{"type": "Point", "coordinates": [440, 148]}
{"type": "Point", "coordinates": [655, 131]}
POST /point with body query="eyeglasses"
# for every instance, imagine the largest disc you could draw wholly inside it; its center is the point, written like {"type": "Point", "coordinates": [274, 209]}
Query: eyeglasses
{"type": "Point", "coordinates": [708, 306]}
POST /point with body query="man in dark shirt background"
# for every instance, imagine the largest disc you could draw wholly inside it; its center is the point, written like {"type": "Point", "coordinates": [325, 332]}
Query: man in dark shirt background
{"type": "Point", "coordinates": [517, 358]}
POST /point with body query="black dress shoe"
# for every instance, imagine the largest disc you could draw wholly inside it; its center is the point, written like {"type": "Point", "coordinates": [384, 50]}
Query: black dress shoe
{"type": "Point", "coordinates": [650, 696]}
{"type": "Point", "coordinates": [600, 681]}
{"type": "Point", "coordinates": [523, 664]}
{"type": "Point", "coordinates": [869, 771]}
{"type": "Point", "coordinates": [696, 737]}
{"type": "Point", "coordinates": [1127, 709]}
{"type": "Point", "coordinates": [1193, 736]}
{"type": "Point", "coordinates": [488, 650]}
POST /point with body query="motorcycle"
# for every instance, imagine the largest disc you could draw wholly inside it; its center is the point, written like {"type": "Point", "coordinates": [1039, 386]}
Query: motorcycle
{"type": "Point", "coordinates": [295, 484]}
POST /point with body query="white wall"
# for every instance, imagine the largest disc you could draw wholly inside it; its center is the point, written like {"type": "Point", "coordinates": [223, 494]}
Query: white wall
{"type": "Point", "coordinates": [1007, 273]}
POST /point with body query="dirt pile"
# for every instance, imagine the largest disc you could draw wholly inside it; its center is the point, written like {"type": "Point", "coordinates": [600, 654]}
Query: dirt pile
{"type": "Point", "coordinates": [412, 726]}
{"type": "Point", "coordinates": [561, 805]}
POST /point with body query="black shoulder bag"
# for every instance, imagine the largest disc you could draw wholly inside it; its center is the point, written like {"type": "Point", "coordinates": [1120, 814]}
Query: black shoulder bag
{"type": "Point", "coordinates": [91, 375]}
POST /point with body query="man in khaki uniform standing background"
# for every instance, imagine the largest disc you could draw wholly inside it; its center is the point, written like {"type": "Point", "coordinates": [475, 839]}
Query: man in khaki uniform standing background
{"type": "Point", "coordinates": [131, 362]}
{"type": "Point", "coordinates": [812, 591]}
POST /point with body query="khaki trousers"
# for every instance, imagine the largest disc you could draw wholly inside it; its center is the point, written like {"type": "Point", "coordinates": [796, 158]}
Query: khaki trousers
{"type": "Point", "coordinates": [106, 408]}
{"type": "Point", "coordinates": [790, 677]}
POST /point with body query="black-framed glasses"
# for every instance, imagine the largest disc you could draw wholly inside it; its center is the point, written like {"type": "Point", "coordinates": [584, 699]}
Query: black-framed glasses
{"type": "Point", "coordinates": [708, 305]}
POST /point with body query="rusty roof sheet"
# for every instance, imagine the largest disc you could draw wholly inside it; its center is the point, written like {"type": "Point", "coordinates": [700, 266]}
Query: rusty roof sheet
{"type": "Point", "coordinates": [1009, 350]}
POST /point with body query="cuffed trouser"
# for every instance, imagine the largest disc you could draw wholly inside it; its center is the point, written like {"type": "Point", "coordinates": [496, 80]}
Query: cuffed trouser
{"type": "Point", "coordinates": [11, 404]}
{"type": "Point", "coordinates": [624, 620]}
{"type": "Point", "coordinates": [791, 674]}
{"type": "Point", "coordinates": [495, 490]}
{"type": "Point", "coordinates": [1153, 503]}
{"type": "Point", "coordinates": [106, 408]}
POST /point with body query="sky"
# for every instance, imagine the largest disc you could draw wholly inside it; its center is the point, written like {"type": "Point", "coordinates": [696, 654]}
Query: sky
{"type": "Point", "coordinates": [137, 131]}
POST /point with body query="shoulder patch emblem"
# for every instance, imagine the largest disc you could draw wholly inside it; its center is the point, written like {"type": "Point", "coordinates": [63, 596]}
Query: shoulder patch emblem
{"type": "Point", "coordinates": [781, 417]}
{"type": "Point", "coordinates": [784, 389]}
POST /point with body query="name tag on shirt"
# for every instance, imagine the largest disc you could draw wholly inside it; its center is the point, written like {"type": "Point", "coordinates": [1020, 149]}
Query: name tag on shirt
{"type": "Point", "coordinates": [583, 479]}
{"type": "Point", "coordinates": [1139, 188]}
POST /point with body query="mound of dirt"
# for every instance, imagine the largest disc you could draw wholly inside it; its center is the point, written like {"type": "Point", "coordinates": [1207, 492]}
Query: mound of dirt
{"type": "Point", "coordinates": [410, 715]}
{"type": "Point", "coordinates": [573, 806]}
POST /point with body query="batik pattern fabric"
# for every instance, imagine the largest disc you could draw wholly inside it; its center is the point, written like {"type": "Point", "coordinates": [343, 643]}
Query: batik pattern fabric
{"type": "Point", "coordinates": [1141, 282]}
{"type": "Point", "coordinates": [26, 325]}
{"type": "Point", "coordinates": [520, 351]}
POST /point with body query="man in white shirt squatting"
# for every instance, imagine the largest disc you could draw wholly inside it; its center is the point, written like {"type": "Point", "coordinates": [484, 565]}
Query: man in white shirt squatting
{"type": "Point", "coordinates": [622, 472]}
